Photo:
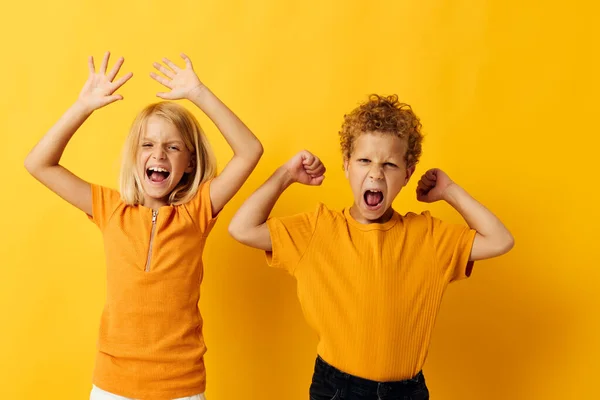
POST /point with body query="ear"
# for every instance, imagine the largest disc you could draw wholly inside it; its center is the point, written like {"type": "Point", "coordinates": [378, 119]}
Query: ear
{"type": "Point", "coordinates": [192, 164]}
{"type": "Point", "coordinates": [409, 172]}
{"type": "Point", "coordinates": [346, 167]}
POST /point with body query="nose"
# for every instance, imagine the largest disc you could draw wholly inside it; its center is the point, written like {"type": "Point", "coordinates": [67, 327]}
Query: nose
{"type": "Point", "coordinates": [158, 153]}
{"type": "Point", "coordinates": [375, 173]}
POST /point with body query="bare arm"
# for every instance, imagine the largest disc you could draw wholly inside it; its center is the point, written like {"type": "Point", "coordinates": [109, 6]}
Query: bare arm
{"type": "Point", "coordinates": [248, 225]}
{"type": "Point", "coordinates": [492, 238]}
{"type": "Point", "coordinates": [43, 160]}
{"type": "Point", "coordinates": [247, 149]}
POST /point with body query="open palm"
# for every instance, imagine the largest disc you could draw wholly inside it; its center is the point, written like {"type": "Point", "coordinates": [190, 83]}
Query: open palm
{"type": "Point", "coordinates": [182, 82]}
{"type": "Point", "coordinates": [99, 89]}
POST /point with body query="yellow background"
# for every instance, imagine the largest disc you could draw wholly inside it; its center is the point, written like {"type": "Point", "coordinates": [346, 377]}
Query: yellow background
{"type": "Point", "coordinates": [507, 93]}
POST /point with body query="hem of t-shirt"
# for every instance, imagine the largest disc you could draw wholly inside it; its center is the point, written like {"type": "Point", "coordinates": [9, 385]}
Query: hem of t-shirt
{"type": "Point", "coordinates": [93, 189]}
{"type": "Point", "coordinates": [271, 255]}
{"type": "Point", "coordinates": [173, 394]}
{"type": "Point", "coordinates": [210, 223]}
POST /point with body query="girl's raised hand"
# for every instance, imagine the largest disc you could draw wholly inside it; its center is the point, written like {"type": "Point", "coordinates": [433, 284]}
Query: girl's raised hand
{"type": "Point", "coordinates": [99, 90]}
{"type": "Point", "coordinates": [184, 83]}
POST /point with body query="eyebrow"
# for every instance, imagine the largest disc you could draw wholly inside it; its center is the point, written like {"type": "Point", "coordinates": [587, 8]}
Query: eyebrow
{"type": "Point", "coordinates": [387, 159]}
{"type": "Point", "coordinates": [177, 141]}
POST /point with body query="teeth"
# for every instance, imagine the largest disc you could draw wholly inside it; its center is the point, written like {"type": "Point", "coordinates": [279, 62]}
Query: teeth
{"type": "Point", "coordinates": [157, 169]}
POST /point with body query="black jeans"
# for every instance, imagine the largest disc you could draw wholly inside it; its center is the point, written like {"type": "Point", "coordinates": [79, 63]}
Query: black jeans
{"type": "Point", "coordinates": [329, 383]}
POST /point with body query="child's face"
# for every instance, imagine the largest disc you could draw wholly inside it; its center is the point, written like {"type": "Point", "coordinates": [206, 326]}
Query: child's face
{"type": "Point", "coordinates": [377, 172]}
{"type": "Point", "coordinates": [162, 160]}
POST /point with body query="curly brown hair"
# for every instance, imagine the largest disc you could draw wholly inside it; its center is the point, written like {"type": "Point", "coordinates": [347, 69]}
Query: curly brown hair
{"type": "Point", "coordinates": [383, 114]}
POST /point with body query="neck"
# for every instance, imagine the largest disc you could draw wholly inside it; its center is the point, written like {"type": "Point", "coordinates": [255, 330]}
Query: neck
{"type": "Point", "coordinates": [155, 204]}
{"type": "Point", "coordinates": [355, 213]}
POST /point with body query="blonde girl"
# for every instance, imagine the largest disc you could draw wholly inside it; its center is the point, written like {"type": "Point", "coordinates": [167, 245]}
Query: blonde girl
{"type": "Point", "coordinates": [150, 343]}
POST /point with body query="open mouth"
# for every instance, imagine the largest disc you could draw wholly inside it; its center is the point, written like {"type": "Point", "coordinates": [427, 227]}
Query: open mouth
{"type": "Point", "coordinates": [373, 198]}
{"type": "Point", "coordinates": [157, 174]}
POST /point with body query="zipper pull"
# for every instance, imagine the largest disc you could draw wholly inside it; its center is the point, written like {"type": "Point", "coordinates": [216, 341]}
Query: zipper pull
{"type": "Point", "coordinates": [154, 215]}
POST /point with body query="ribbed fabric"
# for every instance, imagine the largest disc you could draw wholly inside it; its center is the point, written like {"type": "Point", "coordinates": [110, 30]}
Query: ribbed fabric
{"type": "Point", "coordinates": [371, 292]}
{"type": "Point", "coordinates": [150, 344]}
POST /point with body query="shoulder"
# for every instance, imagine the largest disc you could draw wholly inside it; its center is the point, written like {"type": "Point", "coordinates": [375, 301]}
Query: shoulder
{"type": "Point", "coordinates": [413, 221]}
{"type": "Point", "coordinates": [105, 194]}
{"type": "Point", "coordinates": [329, 216]}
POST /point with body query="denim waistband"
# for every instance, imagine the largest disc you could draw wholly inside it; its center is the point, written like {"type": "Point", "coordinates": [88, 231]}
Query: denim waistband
{"type": "Point", "coordinates": [333, 374]}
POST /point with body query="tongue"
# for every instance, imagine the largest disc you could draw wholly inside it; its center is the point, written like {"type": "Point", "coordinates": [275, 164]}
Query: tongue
{"type": "Point", "coordinates": [373, 198]}
{"type": "Point", "coordinates": [157, 177]}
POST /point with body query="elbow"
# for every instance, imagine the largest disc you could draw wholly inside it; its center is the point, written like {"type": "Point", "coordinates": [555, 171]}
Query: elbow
{"type": "Point", "coordinates": [30, 165]}
{"type": "Point", "coordinates": [247, 235]}
{"type": "Point", "coordinates": [259, 148]}
{"type": "Point", "coordinates": [34, 164]}
{"type": "Point", "coordinates": [250, 153]}
{"type": "Point", "coordinates": [509, 243]}
{"type": "Point", "coordinates": [491, 247]}
{"type": "Point", "coordinates": [257, 151]}
{"type": "Point", "coordinates": [236, 232]}
{"type": "Point", "coordinates": [506, 244]}
{"type": "Point", "coordinates": [27, 165]}
{"type": "Point", "coordinates": [233, 232]}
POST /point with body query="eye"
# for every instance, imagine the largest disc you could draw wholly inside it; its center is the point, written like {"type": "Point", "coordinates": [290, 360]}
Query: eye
{"type": "Point", "coordinates": [147, 145]}
{"type": "Point", "coordinates": [363, 160]}
{"type": "Point", "coordinates": [176, 148]}
{"type": "Point", "coordinates": [391, 165]}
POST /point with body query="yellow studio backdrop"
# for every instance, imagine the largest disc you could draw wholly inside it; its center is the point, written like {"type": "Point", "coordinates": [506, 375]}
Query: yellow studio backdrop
{"type": "Point", "coordinates": [507, 93]}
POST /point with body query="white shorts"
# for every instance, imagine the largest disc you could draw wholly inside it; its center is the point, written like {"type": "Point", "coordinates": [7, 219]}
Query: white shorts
{"type": "Point", "coordinates": [99, 394]}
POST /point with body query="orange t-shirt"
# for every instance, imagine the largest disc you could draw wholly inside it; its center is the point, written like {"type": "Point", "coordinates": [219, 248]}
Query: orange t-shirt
{"type": "Point", "coordinates": [371, 291]}
{"type": "Point", "coordinates": [150, 344]}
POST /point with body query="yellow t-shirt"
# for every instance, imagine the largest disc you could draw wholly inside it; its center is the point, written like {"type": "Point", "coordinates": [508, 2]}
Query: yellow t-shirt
{"type": "Point", "coordinates": [150, 344]}
{"type": "Point", "coordinates": [371, 292]}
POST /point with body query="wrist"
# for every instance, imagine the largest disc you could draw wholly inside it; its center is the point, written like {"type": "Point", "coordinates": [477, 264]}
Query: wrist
{"type": "Point", "coordinates": [82, 108]}
{"type": "Point", "coordinates": [196, 94]}
{"type": "Point", "coordinates": [284, 177]}
{"type": "Point", "coordinates": [452, 193]}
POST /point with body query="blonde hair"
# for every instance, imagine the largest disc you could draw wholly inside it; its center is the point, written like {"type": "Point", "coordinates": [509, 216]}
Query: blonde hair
{"type": "Point", "coordinates": [205, 165]}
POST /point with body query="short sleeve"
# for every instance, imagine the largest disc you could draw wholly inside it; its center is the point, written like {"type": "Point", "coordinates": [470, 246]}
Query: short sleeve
{"type": "Point", "coordinates": [453, 244]}
{"type": "Point", "coordinates": [104, 202]}
{"type": "Point", "coordinates": [290, 238]}
{"type": "Point", "coordinates": [200, 208]}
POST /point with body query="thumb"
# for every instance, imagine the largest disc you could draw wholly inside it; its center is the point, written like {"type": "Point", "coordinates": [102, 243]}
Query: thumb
{"type": "Point", "coordinates": [307, 158]}
{"type": "Point", "coordinates": [111, 99]}
{"type": "Point", "coordinates": [318, 180]}
{"type": "Point", "coordinates": [421, 195]}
